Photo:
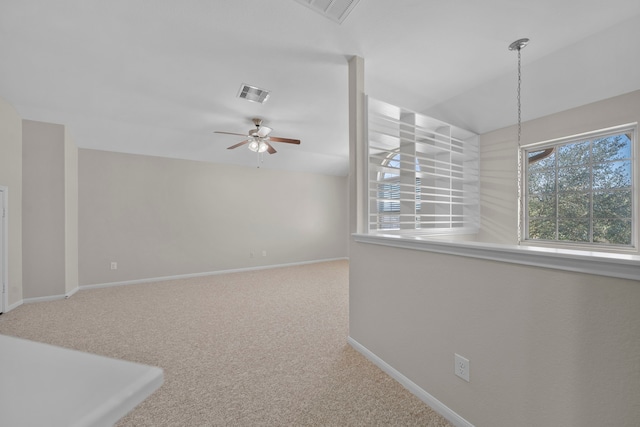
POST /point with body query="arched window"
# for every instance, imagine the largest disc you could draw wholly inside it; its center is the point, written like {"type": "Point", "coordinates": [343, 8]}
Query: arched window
{"type": "Point", "coordinates": [388, 208]}
{"type": "Point", "coordinates": [423, 174]}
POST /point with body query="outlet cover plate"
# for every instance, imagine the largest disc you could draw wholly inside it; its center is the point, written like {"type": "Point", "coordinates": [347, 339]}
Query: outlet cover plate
{"type": "Point", "coordinates": [461, 366]}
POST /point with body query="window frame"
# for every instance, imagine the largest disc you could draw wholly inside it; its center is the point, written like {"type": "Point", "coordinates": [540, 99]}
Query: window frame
{"type": "Point", "coordinates": [628, 128]}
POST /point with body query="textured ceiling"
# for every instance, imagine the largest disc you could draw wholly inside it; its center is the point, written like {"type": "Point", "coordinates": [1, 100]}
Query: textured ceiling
{"type": "Point", "coordinates": [157, 77]}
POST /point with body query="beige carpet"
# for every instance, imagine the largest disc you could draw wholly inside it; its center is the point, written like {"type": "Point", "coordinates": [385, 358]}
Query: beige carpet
{"type": "Point", "coordinates": [260, 348]}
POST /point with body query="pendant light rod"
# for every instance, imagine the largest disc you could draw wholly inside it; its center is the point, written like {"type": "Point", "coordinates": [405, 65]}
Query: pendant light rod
{"type": "Point", "coordinates": [519, 45]}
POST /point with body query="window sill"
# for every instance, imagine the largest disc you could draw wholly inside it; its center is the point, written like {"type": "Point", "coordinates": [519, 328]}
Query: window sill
{"type": "Point", "coordinates": [598, 263]}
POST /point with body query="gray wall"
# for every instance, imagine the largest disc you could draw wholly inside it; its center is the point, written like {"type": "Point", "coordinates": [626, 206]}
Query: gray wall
{"type": "Point", "coordinates": [159, 217]}
{"type": "Point", "coordinates": [546, 347]}
{"type": "Point", "coordinates": [43, 209]}
{"type": "Point", "coordinates": [156, 217]}
{"type": "Point", "coordinates": [11, 177]}
{"type": "Point", "coordinates": [49, 215]}
{"type": "Point", "coordinates": [71, 213]}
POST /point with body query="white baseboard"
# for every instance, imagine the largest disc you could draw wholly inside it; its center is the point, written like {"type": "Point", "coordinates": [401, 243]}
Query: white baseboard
{"type": "Point", "coordinates": [51, 297]}
{"type": "Point", "coordinates": [42, 299]}
{"type": "Point", "coordinates": [157, 279]}
{"type": "Point", "coordinates": [434, 403]}
{"type": "Point", "coordinates": [14, 305]}
{"type": "Point", "coordinates": [72, 292]}
{"type": "Point", "coordinates": [208, 273]}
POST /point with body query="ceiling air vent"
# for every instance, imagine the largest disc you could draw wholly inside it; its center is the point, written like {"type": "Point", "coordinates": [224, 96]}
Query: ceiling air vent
{"type": "Point", "coordinates": [336, 10]}
{"type": "Point", "coordinates": [253, 94]}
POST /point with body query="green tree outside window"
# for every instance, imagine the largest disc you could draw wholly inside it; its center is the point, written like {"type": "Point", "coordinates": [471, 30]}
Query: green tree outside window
{"type": "Point", "coordinates": [581, 191]}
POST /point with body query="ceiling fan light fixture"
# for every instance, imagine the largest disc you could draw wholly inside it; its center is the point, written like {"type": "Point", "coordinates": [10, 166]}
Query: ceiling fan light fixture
{"type": "Point", "coordinates": [254, 145]}
{"type": "Point", "coordinates": [258, 145]}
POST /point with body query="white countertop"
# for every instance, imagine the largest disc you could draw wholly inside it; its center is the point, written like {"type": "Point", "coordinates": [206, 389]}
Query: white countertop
{"type": "Point", "coordinates": [43, 385]}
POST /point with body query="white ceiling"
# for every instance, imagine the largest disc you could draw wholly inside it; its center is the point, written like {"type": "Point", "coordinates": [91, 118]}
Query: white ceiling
{"type": "Point", "coordinates": [157, 77]}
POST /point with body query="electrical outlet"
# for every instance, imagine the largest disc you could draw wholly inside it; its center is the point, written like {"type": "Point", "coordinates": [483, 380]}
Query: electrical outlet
{"type": "Point", "coordinates": [114, 265]}
{"type": "Point", "coordinates": [250, 254]}
{"type": "Point", "coordinates": [264, 252]}
{"type": "Point", "coordinates": [461, 367]}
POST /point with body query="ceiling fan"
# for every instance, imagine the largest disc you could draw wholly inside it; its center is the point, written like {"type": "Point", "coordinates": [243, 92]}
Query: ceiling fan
{"type": "Point", "coordinates": [259, 140]}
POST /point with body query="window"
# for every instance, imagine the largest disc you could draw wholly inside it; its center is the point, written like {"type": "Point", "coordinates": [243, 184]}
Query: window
{"type": "Point", "coordinates": [581, 190]}
{"type": "Point", "coordinates": [388, 198]}
{"type": "Point", "coordinates": [388, 208]}
{"type": "Point", "coordinates": [422, 174]}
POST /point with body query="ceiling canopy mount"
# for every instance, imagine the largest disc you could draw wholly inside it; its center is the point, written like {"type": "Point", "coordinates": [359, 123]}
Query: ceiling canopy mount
{"type": "Point", "coordinates": [519, 44]}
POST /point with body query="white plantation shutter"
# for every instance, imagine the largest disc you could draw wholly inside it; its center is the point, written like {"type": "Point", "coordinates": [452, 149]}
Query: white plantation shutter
{"type": "Point", "coordinates": [422, 173]}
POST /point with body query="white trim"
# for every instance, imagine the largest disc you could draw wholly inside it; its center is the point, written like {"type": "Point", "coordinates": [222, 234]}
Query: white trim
{"type": "Point", "coordinates": [599, 263]}
{"type": "Point", "coordinates": [14, 305]}
{"type": "Point", "coordinates": [43, 299]}
{"type": "Point", "coordinates": [208, 273]}
{"type": "Point", "coordinates": [71, 292]}
{"type": "Point", "coordinates": [160, 279]}
{"type": "Point", "coordinates": [51, 297]}
{"type": "Point", "coordinates": [584, 135]}
{"type": "Point", "coordinates": [415, 389]}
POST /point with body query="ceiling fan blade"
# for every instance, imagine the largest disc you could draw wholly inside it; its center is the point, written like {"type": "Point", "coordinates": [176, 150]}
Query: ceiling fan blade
{"type": "Point", "coordinates": [270, 148]}
{"type": "Point", "coordinates": [238, 144]}
{"type": "Point", "coordinates": [287, 140]}
{"type": "Point", "coordinates": [264, 131]}
{"type": "Point", "coordinates": [231, 133]}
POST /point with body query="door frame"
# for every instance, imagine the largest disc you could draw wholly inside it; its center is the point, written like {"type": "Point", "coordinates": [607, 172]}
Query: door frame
{"type": "Point", "coordinates": [4, 241]}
